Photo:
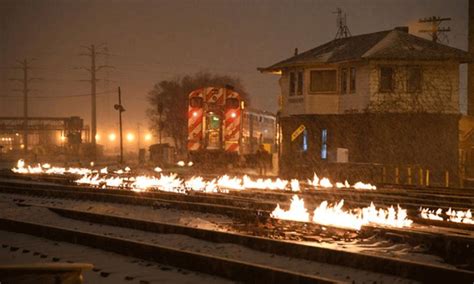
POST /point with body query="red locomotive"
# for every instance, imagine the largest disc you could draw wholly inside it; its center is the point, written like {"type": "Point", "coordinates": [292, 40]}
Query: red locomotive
{"type": "Point", "coordinates": [214, 124]}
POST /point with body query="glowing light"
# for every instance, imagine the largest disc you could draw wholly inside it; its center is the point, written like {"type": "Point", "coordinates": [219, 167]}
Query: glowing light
{"type": "Point", "coordinates": [158, 170]}
{"type": "Point", "coordinates": [130, 137]}
{"type": "Point", "coordinates": [147, 137]}
{"type": "Point", "coordinates": [97, 137]}
{"type": "Point", "coordinates": [181, 163]}
{"type": "Point", "coordinates": [62, 138]}
{"type": "Point", "coordinates": [195, 114]}
{"type": "Point", "coordinates": [233, 115]}
{"type": "Point", "coordinates": [112, 137]}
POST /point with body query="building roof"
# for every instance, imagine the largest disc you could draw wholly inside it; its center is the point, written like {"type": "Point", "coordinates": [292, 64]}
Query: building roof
{"type": "Point", "coordinates": [396, 44]}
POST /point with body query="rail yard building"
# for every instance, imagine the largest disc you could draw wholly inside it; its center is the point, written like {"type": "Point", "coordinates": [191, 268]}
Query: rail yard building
{"type": "Point", "coordinates": [364, 104]}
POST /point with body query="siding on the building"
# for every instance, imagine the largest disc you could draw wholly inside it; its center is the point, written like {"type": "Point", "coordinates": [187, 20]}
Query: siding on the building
{"type": "Point", "coordinates": [439, 94]}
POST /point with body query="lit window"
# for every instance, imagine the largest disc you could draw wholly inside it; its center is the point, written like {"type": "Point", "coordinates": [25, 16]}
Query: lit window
{"type": "Point", "coordinates": [324, 145]}
{"type": "Point", "coordinates": [323, 81]}
{"type": "Point", "coordinates": [305, 141]}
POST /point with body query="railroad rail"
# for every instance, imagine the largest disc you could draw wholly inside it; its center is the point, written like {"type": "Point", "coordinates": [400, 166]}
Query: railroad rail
{"type": "Point", "coordinates": [235, 270]}
{"type": "Point", "coordinates": [447, 244]}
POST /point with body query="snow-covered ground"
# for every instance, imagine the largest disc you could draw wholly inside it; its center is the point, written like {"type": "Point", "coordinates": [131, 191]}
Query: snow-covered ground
{"type": "Point", "coordinates": [8, 209]}
{"type": "Point", "coordinates": [108, 267]}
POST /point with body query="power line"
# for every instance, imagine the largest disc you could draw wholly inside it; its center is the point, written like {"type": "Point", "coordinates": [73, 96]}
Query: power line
{"type": "Point", "coordinates": [59, 97]}
{"type": "Point", "coordinates": [93, 69]}
{"type": "Point", "coordinates": [436, 31]}
{"type": "Point", "coordinates": [24, 65]}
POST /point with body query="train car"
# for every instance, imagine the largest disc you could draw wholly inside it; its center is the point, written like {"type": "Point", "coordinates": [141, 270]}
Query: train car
{"type": "Point", "coordinates": [214, 124]}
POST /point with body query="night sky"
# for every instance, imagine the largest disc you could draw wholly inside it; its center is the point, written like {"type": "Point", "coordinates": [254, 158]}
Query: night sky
{"type": "Point", "coordinates": [151, 41]}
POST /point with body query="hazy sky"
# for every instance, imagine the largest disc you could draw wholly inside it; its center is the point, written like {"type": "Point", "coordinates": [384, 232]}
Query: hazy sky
{"type": "Point", "coordinates": [155, 40]}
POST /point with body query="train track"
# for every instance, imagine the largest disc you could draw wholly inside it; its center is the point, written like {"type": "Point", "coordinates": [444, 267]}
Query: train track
{"type": "Point", "coordinates": [232, 269]}
{"type": "Point", "coordinates": [447, 244]}
{"type": "Point", "coordinates": [247, 204]}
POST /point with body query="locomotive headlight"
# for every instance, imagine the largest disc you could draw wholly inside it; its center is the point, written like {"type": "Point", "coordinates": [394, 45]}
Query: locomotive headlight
{"type": "Point", "coordinates": [233, 115]}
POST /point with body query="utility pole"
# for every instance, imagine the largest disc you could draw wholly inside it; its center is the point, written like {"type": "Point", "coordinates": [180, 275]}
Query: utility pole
{"type": "Point", "coordinates": [25, 67]}
{"type": "Point", "coordinates": [342, 28]}
{"type": "Point", "coordinates": [435, 31]}
{"type": "Point", "coordinates": [120, 109]}
{"type": "Point", "coordinates": [92, 53]}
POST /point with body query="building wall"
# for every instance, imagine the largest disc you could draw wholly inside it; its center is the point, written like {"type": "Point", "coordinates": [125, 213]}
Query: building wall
{"type": "Point", "coordinates": [425, 140]}
{"type": "Point", "coordinates": [439, 93]}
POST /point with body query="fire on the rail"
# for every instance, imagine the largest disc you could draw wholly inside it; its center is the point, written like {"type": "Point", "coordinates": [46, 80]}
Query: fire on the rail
{"type": "Point", "coordinates": [335, 215]}
{"type": "Point", "coordinates": [171, 182]}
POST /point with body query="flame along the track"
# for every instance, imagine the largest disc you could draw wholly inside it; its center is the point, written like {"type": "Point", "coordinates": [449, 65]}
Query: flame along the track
{"type": "Point", "coordinates": [335, 215]}
{"type": "Point", "coordinates": [450, 215]}
{"type": "Point", "coordinates": [172, 182]}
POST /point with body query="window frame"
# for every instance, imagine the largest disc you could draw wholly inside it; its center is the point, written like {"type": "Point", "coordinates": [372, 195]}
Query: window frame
{"type": "Point", "coordinates": [352, 80]}
{"type": "Point", "coordinates": [292, 84]}
{"type": "Point", "coordinates": [343, 78]}
{"type": "Point", "coordinates": [334, 91]}
{"type": "Point", "coordinates": [419, 84]}
{"type": "Point", "coordinates": [392, 79]}
{"type": "Point", "coordinates": [299, 83]}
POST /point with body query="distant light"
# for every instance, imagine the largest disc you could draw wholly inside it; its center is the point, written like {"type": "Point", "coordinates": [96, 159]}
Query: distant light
{"type": "Point", "coordinates": [195, 113]}
{"type": "Point", "coordinates": [130, 137]}
{"type": "Point", "coordinates": [97, 137]}
{"type": "Point", "coordinates": [22, 146]}
{"type": "Point", "coordinates": [17, 134]}
{"type": "Point", "coordinates": [233, 115]}
{"type": "Point", "coordinates": [112, 137]}
{"type": "Point", "coordinates": [62, 138]}
{"type": "Point", "coordinates": [215, 118]}
{"type": "Point", "coordinates": [147, 137]}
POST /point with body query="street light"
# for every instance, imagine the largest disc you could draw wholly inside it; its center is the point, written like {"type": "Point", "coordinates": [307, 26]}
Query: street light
{"type": "Point", "coordinates": [130, 137]}
{"type": "Point", "coordinates": [112, 137]}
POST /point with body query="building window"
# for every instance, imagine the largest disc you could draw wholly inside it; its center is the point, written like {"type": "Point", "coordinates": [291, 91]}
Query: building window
{"type": "Point", "coordinates": [352, 81]}
{"type": "Point", "coordinates": [292, 84]}
{"type": "Point", "coordinates": [299, 89]}
{"type": "Point", "coordinates": [343, 80]}
{"type": "Point", "coordinates": [414, 79]}
{"type": "Point", "coordinates": [323, 81]}
{"type": "Point", "coordinates": [386, 79]}
{"type": "Point", "coordinates": [304, 147]}
{"type": "Point", "coordinates": [324, 145]}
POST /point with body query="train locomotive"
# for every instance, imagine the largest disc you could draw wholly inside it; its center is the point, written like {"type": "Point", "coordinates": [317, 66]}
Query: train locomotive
{"type": "Point", "coordinates": [214, 125]}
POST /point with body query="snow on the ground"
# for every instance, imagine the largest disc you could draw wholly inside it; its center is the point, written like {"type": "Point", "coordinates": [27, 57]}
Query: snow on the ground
{"type": "Point", "coordinates": [44, 216]}
{"type": "Point", "coordinates": [108, 267]}
{"type": "Point", "coordinates": [148, 213]}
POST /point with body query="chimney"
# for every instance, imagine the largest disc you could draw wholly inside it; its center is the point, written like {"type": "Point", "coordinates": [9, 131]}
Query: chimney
{"type": "Point", "coordinates": [296, 51]}
{"type": "Point", "coordinates": [402, 29]}
{"type": "Point", "coordinates": [470, 66]}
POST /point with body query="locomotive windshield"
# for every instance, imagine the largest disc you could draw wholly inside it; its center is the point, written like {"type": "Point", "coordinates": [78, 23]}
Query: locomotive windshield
{"type": "Point", "coordinates": [196, 102]}
{"type": "Point", "coordinates": [232, 103]}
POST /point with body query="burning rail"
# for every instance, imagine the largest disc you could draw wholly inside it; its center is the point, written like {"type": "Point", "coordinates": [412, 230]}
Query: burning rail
{"type": "Point", "coordinates": [334, 215]}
